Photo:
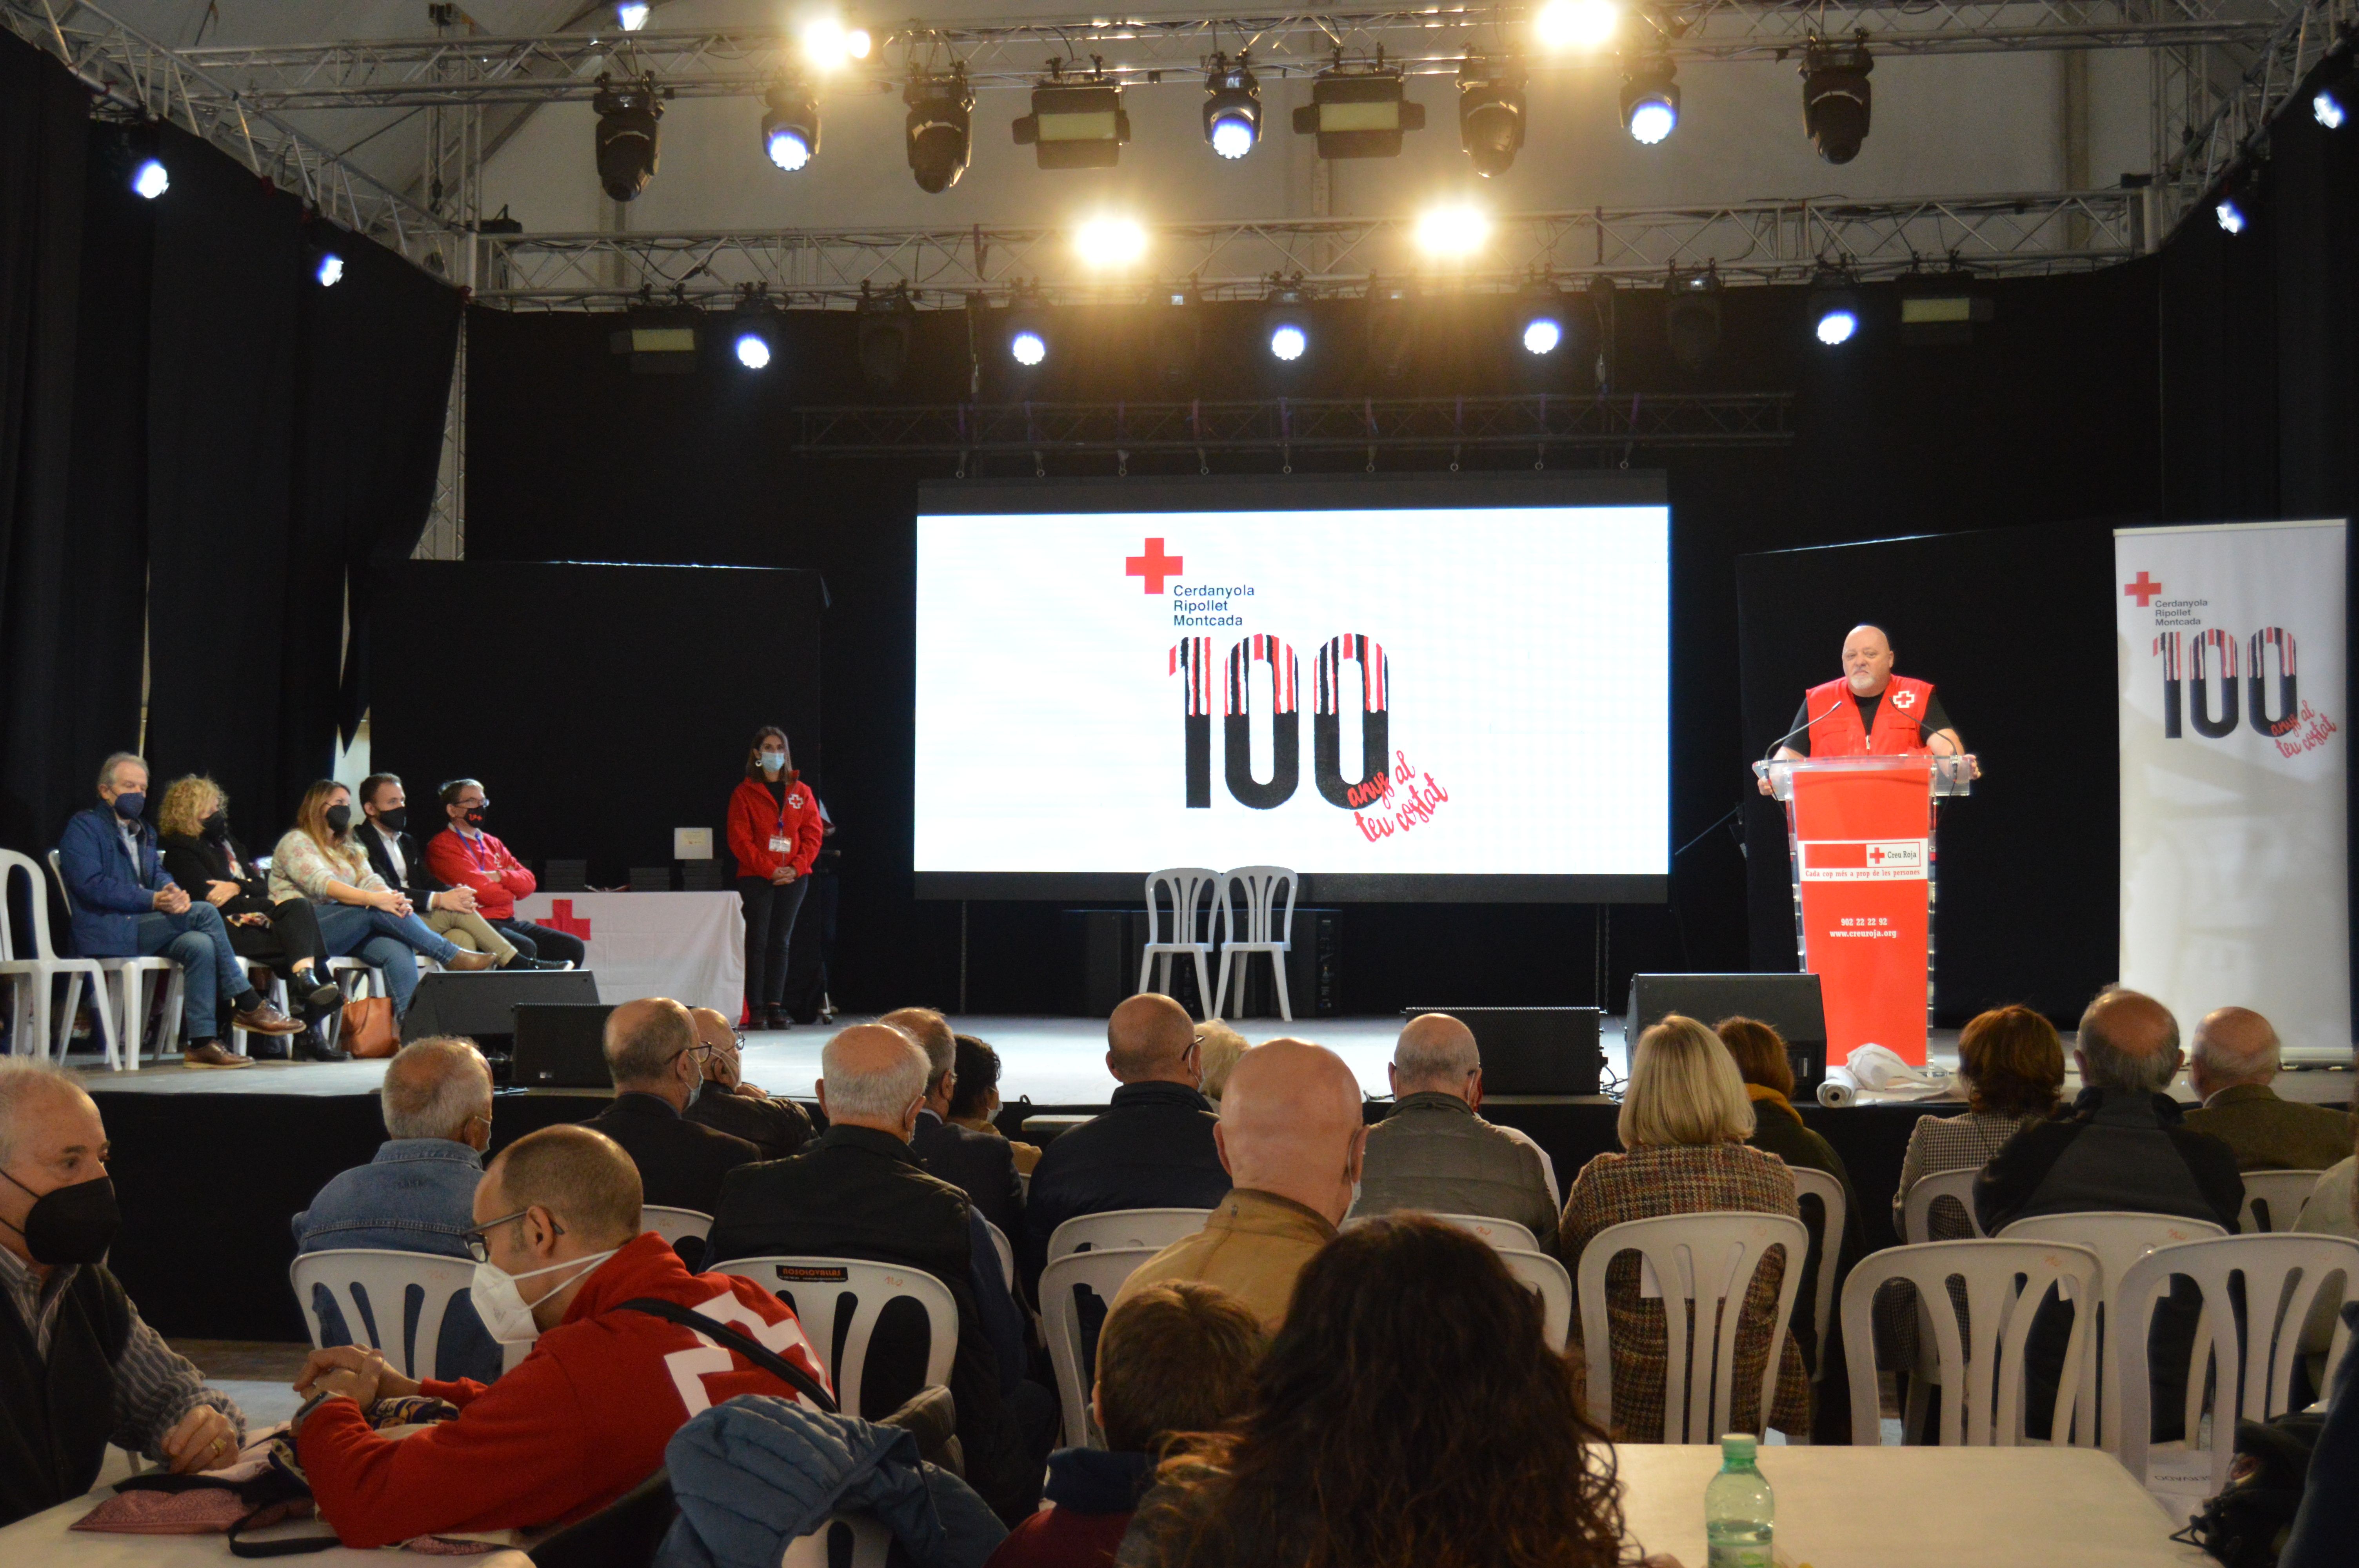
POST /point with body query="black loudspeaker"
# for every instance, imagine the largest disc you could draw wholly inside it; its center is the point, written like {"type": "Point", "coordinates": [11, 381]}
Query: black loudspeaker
{"type": "Point", "coordinates": [1790, 1004]}
{"type": "Point", "coordinates": [1533, 1050]}
{"type": "Point", "coordinates": [482, 1005]}
{"type": "Point", "coordinates": [1313, 967]}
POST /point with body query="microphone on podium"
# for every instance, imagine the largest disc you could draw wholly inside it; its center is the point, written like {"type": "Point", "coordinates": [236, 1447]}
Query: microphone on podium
{"type": "Point", "coordinates": [1790, 734]}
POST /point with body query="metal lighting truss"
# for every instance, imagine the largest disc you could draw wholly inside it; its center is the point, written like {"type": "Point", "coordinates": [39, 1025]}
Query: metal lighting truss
{"type": "Point", "coordinates": [2215, 102]}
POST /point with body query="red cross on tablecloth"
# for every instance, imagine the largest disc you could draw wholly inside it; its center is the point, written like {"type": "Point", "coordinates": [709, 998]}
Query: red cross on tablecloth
{"type": "Point", "coordinates": [562, 918]}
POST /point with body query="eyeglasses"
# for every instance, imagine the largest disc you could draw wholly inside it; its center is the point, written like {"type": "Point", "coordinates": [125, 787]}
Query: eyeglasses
{"type": "Point", "coordinates": [479, 1241]}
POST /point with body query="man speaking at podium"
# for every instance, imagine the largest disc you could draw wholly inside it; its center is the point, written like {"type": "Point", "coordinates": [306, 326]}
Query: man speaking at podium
{"type": "Point", "coordinates": [1870, 711]}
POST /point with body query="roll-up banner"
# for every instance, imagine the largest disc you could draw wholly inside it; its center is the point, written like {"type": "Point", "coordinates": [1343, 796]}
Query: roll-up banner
{"type": "Point", "coordinates": [2233, 829]}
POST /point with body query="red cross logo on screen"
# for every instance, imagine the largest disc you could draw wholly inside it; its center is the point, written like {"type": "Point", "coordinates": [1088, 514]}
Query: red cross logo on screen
{"type": "Point", "coordinates": [2144, 589]}
{"type": "Point", "coordinates": [562, 918]}
{"type": "Point", "coordinates": [1152, 566]}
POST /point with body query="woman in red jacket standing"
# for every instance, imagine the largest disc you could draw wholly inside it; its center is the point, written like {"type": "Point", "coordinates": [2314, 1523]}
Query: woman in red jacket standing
{"type": "Point", "coordinates": [774, 832]}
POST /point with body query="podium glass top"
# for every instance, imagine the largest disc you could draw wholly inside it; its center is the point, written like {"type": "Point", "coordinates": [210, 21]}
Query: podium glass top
{"type": "Point", "coordinates": [1950, 775]}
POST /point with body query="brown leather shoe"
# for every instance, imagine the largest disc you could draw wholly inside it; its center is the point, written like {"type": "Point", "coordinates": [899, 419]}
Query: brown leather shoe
{"type": "Point", "coordinates": [463, 959]}
{"type": "Point", "coordinates": [209, 1054]}
{"type": "Point", "coordinates": [266, 1020]}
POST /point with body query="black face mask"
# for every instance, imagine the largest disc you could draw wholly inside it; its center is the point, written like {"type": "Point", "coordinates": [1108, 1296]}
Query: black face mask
{"type": "Point", "coordinates": [72, 1225]}
{"type": "Point", "coordinates": [215, 826]}
{"type": "Point", "coordinates": [393, 821]}
{"type": "Point", "coordinates": [474, 817]}
{"type": "Point", "coordinates": [340, 817]}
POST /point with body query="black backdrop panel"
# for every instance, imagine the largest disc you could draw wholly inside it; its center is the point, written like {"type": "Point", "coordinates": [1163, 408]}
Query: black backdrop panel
{"type": "Point", "coordinates": [2014, 627]}
{"type": "Point", "coordinates": [602, 706]}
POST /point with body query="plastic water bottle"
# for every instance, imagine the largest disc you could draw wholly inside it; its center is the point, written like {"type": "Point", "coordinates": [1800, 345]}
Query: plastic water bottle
{"type": "Point", "coordinates": [1737, 1508]}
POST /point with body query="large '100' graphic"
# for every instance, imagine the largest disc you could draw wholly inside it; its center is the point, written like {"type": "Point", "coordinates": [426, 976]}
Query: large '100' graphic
{"type": "Point", "coordinates": [1192, 660]}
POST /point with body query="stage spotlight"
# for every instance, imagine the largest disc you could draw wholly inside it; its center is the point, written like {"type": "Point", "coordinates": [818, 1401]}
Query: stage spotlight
{"type": "Point", "coordinates": [1542, 334]}
{"type": "Point", "coordinates": [940, 128]}
{"type": "Point", "coordinates": [828, 43]}
{"type": "Point", "coordinates": [1028, 338]}
{"type": "Point", "coordinates": [754, 329]}
{"type": "Point", "coordinates": [633, 15]}
{"type": "Point", "coordinates": [1650, 100]}
{"type": "Point", "coordinates": [1835, 100]}
{"type": "Point", "coordinates": [2331, 105]}
{"type": "Point", "coordinates": [1692, 318]}
{"type": "Point", "coordinates": [2229, 212]}
{"type": "Point", "coordinates": [628, 113]}
{"type": "Point", "coordinates": [150, 178]}
{"type": "Point", "coordinates": [1358, 114]}
{"type": "Point", "coordinates": [888, 323]}
{"type": "Point", "coordinates": [1288, 341]}
{"type": "Point", "coordinates": [1491, 114]}
{"type": "Point", "coordinates": [1232, 107]}
{"type": "Point", "coordinates": [1545, 319]}
{"type": "Point", "coordinates": [1459, 229]}
{"type": "Point", "coordinates": [1834, 315]}
{"type": "Point", "coordinates": [329, 268]}
{"type": "Point", "coordinates": [1075, 126]}
{"type": "Point", "coordinates": [1287, 329]}
{"type": "Point", "coordinates": [1576, 23]}
{"type": "Point", "coordinates": [1109, 243]}
{"type": "Point", "coordinates": [790, 129]}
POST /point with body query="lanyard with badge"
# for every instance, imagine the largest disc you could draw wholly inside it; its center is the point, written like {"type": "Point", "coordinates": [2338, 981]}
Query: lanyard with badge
{"type": "Point", "coordinates": [779, 843]}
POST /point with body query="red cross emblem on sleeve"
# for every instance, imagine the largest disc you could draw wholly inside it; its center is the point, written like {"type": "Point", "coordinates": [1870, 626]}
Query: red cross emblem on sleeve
{"type": "Point", "coordinates": [1904, 699]}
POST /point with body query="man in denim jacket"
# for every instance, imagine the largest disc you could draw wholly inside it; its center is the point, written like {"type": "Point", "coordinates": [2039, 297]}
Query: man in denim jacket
{"type": "Point", "coordinates": [418, 1193]}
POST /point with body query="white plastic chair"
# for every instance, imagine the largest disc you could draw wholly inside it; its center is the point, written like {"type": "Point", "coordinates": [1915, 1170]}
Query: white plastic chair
{"type": "Point", "coordinates": [34, 964]}
{"type": "Point", "coordinates": [2285, 1275]}
{"type": "Point", "coordinates": [1186, 887]}
{"type": "Point", "coordinates": [1102, 1272]}
{"type": "Point", "coordinates": [394, 1302]}
{"type": "Point", "coordinates": [841, 1541]}
{"type": "Point", "coordinates": [1545, 1278]}
{"type": "Point", "coordinates": [1826, 1247]}
{"type": "Point", "coordinates": [2273, 1200]}
{"type": "Point", "coordinates": [674, 1224]}
{"type": "Point", "coordinates": [131, 978]}
{"type": "Point", "coordinates": [356, 977]}
{"type": "Point", "coordinates": [1266, 931]}
{"type": "Point", "coordinates": [1153, 1229]}
{"type": "Point", "coordinates": [1917, 1209]}
{"type": "Point", "coordinates": [822, 1290]}
{"type": "Point", "coordinates": [1503, 1234]}
{"type": "Point", "coordinates": [1707, 1260]}
{"type": "Point", "coordinates": [2004, 1283]}
{"type": "Point", "coordinates": [1007, 1251]}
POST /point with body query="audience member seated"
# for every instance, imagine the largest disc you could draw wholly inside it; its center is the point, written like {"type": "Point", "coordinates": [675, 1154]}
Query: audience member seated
{"type": "Point", "coordinates": [729, 1104]}
{"type": "Point", "coordinates": [201, 856]}
{"type": "Point", "coordinates": [418, 1195]}
{"type": "Point", "coordinates": [1291, 1137]}
{"type": "Point", "coordinates": [657, 1063]}
{"type": "Point", "coordinates": [974, 1101]}
{"type": "Point", "coordinates": [1436, 1153]}
{"type": "Point", "coordinates": [1151, 1148]}
{"type": "Point", "coordinates": [2331, 1209]}
{"type": "Point", "coordinates": [1218, 1046]}
{"type": "Point", "coordinates": [1408, 1414]}
{"type": "Point", "coordinates": [2234, 1061]}
{"type": "Point", "coordinates": [319, 858]}
{"type": "Point", "coordinates": [2329, 1499]}
{"type": "Point", "coordinates": [2011, 1064]}
{"type": "Point", "coordinates": [78, 1367]}
{"type": "Point", "coordinates": [1685, 1118]}
{"type": "Point", "coordinates": [980, 1165]}
{"type": "Point", "coordinates": [1176, 1358]}
{"type": "Point", "coordinates": [125, 905]}
{"type": "Point", "coordinates": [464, 855]}
{"type": "Point", "coordinates": [582, 1419]}
{"type": "Point", "coordinates": [860, 1191]}
{"type": "Point", "coordinates": [394, 855]}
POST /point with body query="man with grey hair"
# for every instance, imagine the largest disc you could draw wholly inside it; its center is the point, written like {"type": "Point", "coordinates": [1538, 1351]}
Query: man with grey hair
{"type": "Point", "coordinates": [729, 1104]}
{"type": "Point", "coordinates": [2235, 1058]}
{"type": "Point", "coordinates": [980, 1165]}
{"type": "Point", "coordinates": [658, 1065]}
{"type": "Point", "coordinates": [860, 1191]}
{"type": "Point", "coordinates": [78, 1367]}
{"type": "Point", "coordinates": [417, 1193]}
{"type": "Point", "coordinates": [1436, 1153]}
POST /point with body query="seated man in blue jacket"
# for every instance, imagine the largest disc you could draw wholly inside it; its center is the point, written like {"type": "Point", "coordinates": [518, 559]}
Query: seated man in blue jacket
{"type": "Point", "coordinates": [125, 906]}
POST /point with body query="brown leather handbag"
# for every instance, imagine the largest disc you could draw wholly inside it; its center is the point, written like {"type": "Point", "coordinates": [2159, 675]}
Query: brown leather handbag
{"type": "Point", "coordinates": [369, 1028]}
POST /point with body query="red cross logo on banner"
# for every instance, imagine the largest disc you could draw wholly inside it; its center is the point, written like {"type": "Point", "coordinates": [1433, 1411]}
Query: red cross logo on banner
{"type": "Point", "coordinates": [2144, 589]}
{"type": "Point", "coordinates": [1875, 855]}
{"type": "Point", "coordinates": [562, 918]}
{"type": "Point", "coordinates": [1152, 566]}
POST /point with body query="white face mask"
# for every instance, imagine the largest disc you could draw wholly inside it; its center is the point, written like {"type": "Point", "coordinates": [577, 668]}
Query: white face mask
{"type": "Point", "coordinates": [773, 761]}
{"type": "Point", "coordinates": [507, 1316]}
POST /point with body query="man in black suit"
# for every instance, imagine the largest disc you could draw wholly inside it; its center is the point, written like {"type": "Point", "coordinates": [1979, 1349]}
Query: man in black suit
{"type": "Point", "coordinates": [978, 1164]}
{"type": "Point", "coordinates": [858, 1191]}
{"type": "Point", "coordinates": [658, 1069]}
{"type": "Point", "coordinates": [729, 1104]}
{"type": "Point", "coordinates": [395, 857]}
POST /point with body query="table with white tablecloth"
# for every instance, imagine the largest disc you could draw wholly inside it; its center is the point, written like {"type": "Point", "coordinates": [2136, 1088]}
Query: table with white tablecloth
{"type": "Point", "coordinates": [686, 945]}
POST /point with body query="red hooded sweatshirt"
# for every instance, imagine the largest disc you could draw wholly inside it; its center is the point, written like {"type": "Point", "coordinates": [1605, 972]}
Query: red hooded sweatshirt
{"type": "Point", "coordinates": [756, 817]}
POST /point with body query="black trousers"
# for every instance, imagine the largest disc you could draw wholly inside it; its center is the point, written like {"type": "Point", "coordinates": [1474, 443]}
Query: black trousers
{"type": "Point", "coordinates": [541, 942]}
{"type": "Point", "coordinates": [770, 911]}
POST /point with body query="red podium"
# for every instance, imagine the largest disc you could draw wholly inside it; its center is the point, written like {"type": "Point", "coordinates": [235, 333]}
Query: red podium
{"type": "Point", "coordinates": [1859, 830]}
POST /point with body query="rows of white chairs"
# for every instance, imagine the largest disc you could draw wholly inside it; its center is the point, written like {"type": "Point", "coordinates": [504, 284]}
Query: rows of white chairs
{"type": "Point", "coordinates": [1234, 912]}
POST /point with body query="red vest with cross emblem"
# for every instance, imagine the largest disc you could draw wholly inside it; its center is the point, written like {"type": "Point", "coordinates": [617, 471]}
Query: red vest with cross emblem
{"type": "Point", "coordinates": [1898, 718]}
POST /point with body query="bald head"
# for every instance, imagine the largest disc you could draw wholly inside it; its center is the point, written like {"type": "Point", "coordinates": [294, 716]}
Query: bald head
{"type": "Point", "coordinates": [439, 1087]}
{"type": "Point", "coordinates": [2128, 1040]}
{"type": "Point", "coordinates": [1436, 1054]}
{"type": "Point", "coordinates": [934, 1036]}
{"type": "Point", "coordinates": [872, 1076]}
{"type": "Point", "coordinates": [1291, 1124]}
{"type": "Point", "coordinates": [1868, 660]}
{"type": "Point", "coordinates": [722, 1062]}
{"type": "Point", "coordinates": [580, 1175]}
{"type": "Point", "coordinates": [2233, 1045]}
{"type": "Point", "coordinates": [1150, 1039]}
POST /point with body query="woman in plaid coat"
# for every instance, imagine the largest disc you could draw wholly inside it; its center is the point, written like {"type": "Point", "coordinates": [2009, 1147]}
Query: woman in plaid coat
{"type": "Point", "coordinates": [1684, 1120]}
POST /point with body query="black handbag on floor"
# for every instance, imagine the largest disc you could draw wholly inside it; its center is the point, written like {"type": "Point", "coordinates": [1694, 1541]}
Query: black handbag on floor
{"type": "Point", "coordinates": [2246, 1523]}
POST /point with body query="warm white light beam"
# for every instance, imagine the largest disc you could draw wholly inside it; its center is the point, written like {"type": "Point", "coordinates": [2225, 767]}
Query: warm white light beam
{"type": "Point", "coordinates": [1577, 24]}
{"type": "Point", "coordinates": [1109, 243]}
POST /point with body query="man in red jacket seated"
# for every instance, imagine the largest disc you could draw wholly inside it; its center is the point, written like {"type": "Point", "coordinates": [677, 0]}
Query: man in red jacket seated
{"type": "Point", "coordinates": [585, 1416]}
{"type": "Point", "coordinates": [464, 855]}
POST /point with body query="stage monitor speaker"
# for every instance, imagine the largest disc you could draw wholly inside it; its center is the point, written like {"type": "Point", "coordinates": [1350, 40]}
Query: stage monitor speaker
{"type": "Point", "coordinates": [482, 1005]}
{"type": "Point", "coordinates": [1533, 1050]}
{"type": "Point", "coordinates": [560, 1045]}
{"type": "Point", "coordinates": [1314, 970]}
{"type": "Point", "coordinates": [1790, 1004]}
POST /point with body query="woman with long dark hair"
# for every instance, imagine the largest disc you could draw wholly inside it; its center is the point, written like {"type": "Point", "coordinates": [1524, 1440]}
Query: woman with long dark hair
{"type": "Point", "coordinates": [1409, 1415]}
{"type": "Point", "coordinates": [774, 833]}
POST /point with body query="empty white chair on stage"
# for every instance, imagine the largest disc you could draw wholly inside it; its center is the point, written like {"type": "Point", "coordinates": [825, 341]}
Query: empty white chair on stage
{"type": "Point", "coordinates": [1266, 930]}
{"type": "Point", "coordinates": [2252, 1360]}
{"type": "Point", "coordinates": [1503, 1234]}
{"type": "Point", "coordinates": [1917, 1208]}
{"type": "Point", "coordinates": [30, 964]}
{"type": "Point", "coordinates": [394, 1302]}
{"type": "Point", "coordinates": [2273, 1199]}
{"type": "Point", "coordinates": [822, 1290]}
{"type": "Point", "coordinates": [1190, 893]}
{"type": "Point", "coordinates": [1545, 1278]}
{"type": "Point", "coordinates": [132, 998]}
{"type": "Point", "coordinates": [1982, 1367]}
{"type": "Point", "coordinates": [1705, 1261]}
{"type": "Point", "coordinates": [1154, 1228]}
{"type": "Point", "coordinates": [1826, 1247]}
{"type": "Point", "coordinates": [843, 1541]}
{"type": "Point", "coordinates": [1100, 1272]}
